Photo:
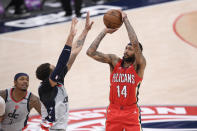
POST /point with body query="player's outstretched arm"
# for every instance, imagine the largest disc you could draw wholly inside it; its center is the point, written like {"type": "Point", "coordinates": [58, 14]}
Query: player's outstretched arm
{"type": "Point", "coordinates": [64, 56]}
{"type": "Point", "coordinates": [99, 56]}
{"type": "Point", "coordinates": [77, 46]}
{"type": "Point", "coordinates": [35, 103]}
{"type": "Point", "coordinates": [140, 59]}
{"type": "Point", "coordinates": [72, 33]}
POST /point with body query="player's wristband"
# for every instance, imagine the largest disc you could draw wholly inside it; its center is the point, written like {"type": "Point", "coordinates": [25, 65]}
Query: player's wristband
{"type": "Point", "coordinates": [61, 64]}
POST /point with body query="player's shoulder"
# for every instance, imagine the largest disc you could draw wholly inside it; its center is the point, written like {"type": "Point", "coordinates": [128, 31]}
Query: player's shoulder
{"type": "Point", "coordinates": [34, 98]}
{"type": "Point", "coordinates": [114, 58]}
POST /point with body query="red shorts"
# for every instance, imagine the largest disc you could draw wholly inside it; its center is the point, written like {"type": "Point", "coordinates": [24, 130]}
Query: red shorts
{"type": "Point", "coordinates": [123, 118]}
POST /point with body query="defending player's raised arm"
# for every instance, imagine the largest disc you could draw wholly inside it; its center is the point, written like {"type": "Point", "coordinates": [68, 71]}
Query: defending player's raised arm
{"type": "Point", "coordinates": [99, 56]}
{"type": "Point", "coordinates": [140, 59]}
{"type": "Point", "coordinates": [80, 41]}
{"type": "Point", "coordinates": [35, 103]}
{"type": "Point", "coordinates": [72, 32]}
{"type": "Point", "coordinates": [64, 56]}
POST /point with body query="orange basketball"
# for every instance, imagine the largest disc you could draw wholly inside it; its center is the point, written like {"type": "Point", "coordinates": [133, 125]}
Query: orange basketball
{"type": "Point", "coordinates": [112, 19]}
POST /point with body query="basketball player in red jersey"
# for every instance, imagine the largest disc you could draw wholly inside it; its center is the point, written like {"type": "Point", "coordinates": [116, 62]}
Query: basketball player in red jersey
{"type": "Point", "coordinates": [123, 113]}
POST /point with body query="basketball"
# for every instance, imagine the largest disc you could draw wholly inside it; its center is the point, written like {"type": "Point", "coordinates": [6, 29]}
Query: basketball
{"type": "Point", "coordinates": [112, 19]}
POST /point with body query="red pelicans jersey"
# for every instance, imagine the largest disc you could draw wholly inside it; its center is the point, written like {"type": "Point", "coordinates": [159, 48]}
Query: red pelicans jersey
{"type": "Point", "coordinates": [124, 85]}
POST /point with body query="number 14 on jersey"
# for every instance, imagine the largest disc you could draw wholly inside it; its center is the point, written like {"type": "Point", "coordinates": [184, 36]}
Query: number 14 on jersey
{"type": "Point", "coordinates": [122, 92]}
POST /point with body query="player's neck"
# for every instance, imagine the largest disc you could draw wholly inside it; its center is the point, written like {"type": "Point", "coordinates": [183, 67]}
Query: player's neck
{"type": "Point", "coordinates": [127, 64]}
{"type": "Point", "coordinates": [18, 94]}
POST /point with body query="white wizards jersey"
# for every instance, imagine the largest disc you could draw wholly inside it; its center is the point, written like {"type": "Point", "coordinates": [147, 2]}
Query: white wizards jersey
{"type": "Point", "coordinates": [59, 111]}
{"type": "Point", "coordinates": [16, 112]}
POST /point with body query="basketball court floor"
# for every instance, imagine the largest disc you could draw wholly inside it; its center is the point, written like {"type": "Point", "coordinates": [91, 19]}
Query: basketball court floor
{"type": "Point", "coordinates": [168, 33]}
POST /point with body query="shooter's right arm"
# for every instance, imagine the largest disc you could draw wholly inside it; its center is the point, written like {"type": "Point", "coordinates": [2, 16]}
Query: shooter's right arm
{"type": "Point", "coordinates": [99, 56]}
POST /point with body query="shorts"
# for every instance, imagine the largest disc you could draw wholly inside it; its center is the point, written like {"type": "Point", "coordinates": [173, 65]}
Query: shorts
{"type": "Point", "coordinates": [123, 118]}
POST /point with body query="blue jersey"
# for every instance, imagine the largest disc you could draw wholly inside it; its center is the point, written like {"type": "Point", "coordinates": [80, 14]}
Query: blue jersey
{"type": "Point", "coordinates": [54, 102]}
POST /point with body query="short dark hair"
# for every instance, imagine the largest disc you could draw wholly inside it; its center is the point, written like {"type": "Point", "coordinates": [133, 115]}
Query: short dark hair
{"type": "Point", "coordinates": [19, 75]}
{"type": "Point", "coordinates": [139, 45]}
{"type": "Point", "coordinates": [43, 71]}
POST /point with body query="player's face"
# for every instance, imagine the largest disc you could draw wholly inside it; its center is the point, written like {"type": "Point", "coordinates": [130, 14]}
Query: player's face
{"type": "Point", "coordinates": [129, 52]}
{"type": "Point", "coordinates": [22, 83]}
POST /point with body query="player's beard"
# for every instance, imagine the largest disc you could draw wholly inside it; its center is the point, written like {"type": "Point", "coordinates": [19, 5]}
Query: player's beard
{"type": "Point", "coordinates": [130, 59]}
{"type": "Point", "coordinates": [24, 90]}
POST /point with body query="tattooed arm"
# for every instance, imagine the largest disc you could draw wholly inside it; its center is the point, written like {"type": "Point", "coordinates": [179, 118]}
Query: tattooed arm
{"type": "Point", "coordinates": [111, 59]}
{"type": "Point", "coordinates": [140, 59]}
{"type": "Point", "coordinates": [80, 41]}
{"type": "Point", "coordinates": [35, 103]}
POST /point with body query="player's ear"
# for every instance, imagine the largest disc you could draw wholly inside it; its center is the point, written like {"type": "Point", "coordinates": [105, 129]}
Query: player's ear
{"type": "Point", "coordinates": [15, 83]}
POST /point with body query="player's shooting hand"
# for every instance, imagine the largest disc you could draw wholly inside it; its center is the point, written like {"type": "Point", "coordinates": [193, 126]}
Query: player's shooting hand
{"type": "Point", "coordinates": [110, 31]}
{"type": "Point", "coordinates": [88, 25]}
{"type": "Point", "coordinates": [124, 15]}
{"type": "Point", "coordinates": [73, 30]}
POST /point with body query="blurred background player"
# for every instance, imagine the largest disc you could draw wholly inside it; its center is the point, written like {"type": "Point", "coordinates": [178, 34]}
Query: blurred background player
{"type": "Point", "coordinates": [19, 6]}
{"type": "Point", "coordinates": [18, 102]}
{"type": "Point", "coordinates": [127, 73]}
{"type": "Point", "coordinates": [66, 4]}
{"type": "Point", "coordinates": [51, 91]}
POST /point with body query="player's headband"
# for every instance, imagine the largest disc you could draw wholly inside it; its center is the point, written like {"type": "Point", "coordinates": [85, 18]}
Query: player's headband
{"type": "Point", "coordinates": [19, 75]}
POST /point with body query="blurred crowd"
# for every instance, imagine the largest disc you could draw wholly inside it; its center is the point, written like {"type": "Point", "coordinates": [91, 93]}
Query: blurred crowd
{"type": "Point", "coordinates": [22, 7]}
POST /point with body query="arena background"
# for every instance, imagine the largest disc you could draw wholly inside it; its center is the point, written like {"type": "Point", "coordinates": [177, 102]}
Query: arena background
{"type": "Point", "coordinates": [167, 30]}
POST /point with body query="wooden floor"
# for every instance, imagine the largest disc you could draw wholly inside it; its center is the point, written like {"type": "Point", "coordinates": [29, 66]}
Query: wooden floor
{"type": "Point", "coordinates": [170, 77]}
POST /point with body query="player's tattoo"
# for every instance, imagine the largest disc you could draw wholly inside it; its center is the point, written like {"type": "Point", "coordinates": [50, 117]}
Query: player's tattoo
{"type": "Point", "coordinates": [97, 41]}
{"type": "Point", "coordinates": [35, 103]}
{"type": "Point", "coordinates": [132, 36]}
{"type": "Point", "coordinates": [131, 32]}
{"type": "Point", "coordinates": [99, 56]}
{"type": "Point", "coordinates": [92, 50]}
{"type": "Point", "coordinates": [80, 42]}
{"type": "Point", "coordinates": [77, 48]}
{"type": "Point", "coordinates": [138, 53]}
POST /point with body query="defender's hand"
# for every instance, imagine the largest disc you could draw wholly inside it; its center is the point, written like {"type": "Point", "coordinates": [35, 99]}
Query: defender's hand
{"type": "Point", "coordinates": [88, 25]}
{"type": "Point", "coordinates": [73, 26]}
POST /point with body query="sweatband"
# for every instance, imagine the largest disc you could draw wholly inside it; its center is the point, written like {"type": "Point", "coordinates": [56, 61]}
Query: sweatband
{"type": "Point", "coordinates": [2, 106]}
{"type": "Point", "coordinates": [19, 75]}
{"type": "Point", "coordinates": [61, 64]}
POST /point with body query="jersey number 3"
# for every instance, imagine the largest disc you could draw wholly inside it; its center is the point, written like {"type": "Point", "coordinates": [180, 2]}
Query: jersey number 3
{"type": "Point", "coordinates": [122, 92]}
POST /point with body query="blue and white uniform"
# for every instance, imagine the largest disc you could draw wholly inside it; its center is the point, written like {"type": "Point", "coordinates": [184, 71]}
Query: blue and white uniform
{"type": "Point", "coordinates": [16, 112]}
{"type": "Point", "coordinates": [55, 99]}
